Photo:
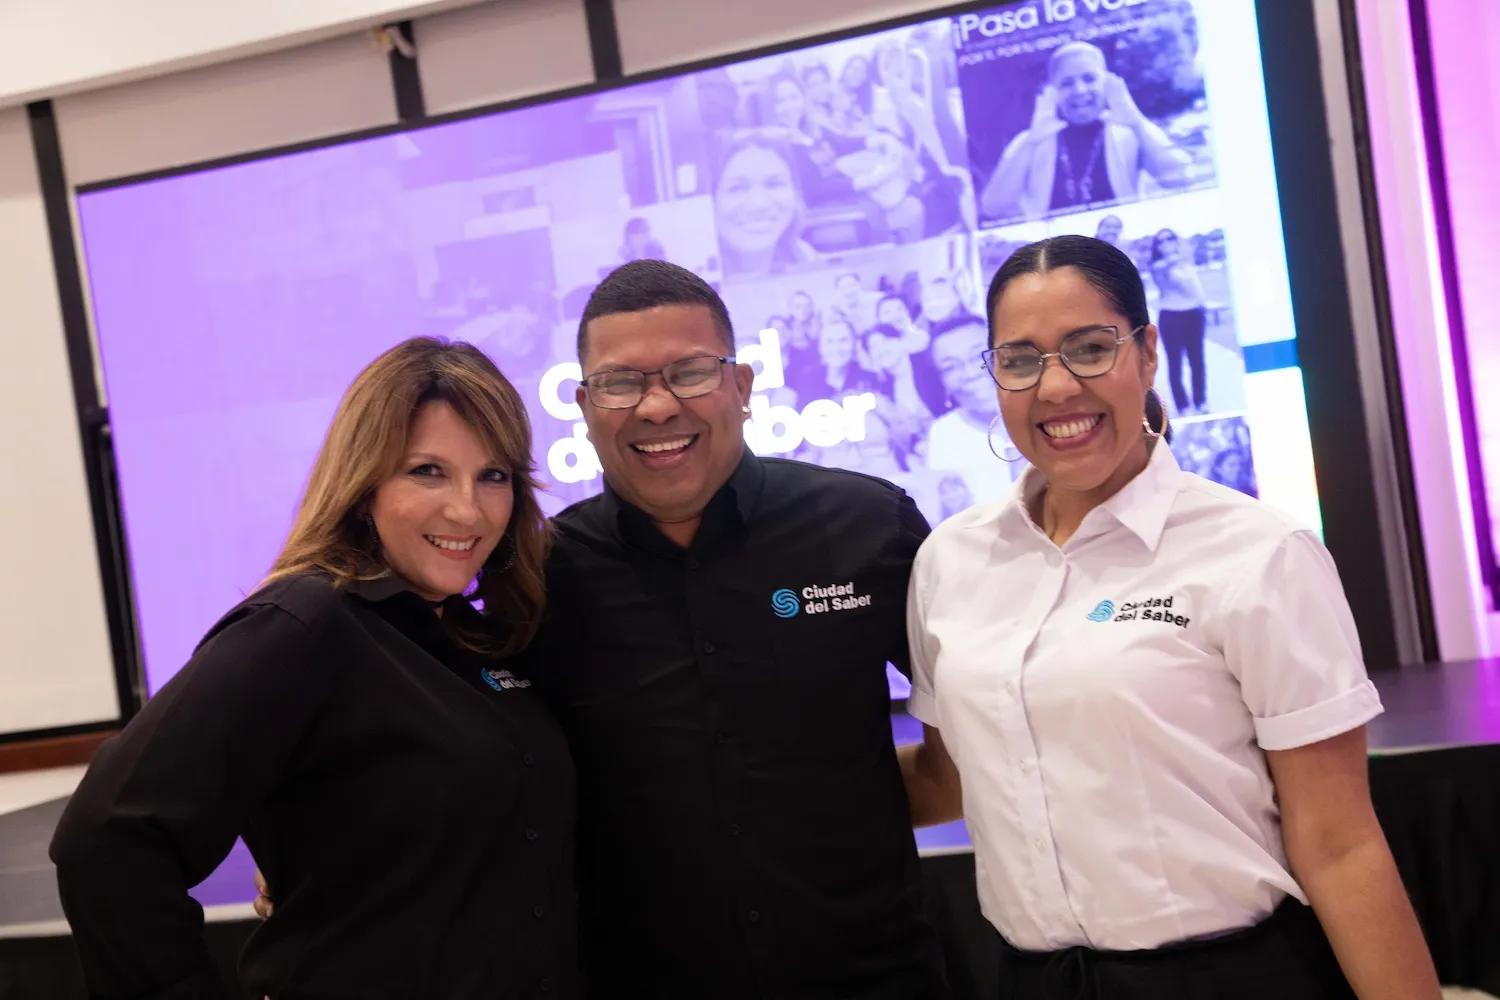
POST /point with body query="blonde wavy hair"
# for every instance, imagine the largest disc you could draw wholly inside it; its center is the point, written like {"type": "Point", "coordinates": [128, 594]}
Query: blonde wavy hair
{"type": "Point", "coordinates": [365, 447]}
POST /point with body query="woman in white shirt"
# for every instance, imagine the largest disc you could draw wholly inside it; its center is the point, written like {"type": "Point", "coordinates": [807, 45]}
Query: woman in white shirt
{"type": "Point", "coordinates": [1181, 319]}
{"type": "Point", "coordinates": [1144, 692]}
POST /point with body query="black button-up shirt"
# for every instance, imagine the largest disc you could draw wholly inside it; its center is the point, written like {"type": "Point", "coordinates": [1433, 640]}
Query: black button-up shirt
{"type": "Point", "coordinates": [411, 805]}
{"type": "Point", "coordinates": [743, 827]}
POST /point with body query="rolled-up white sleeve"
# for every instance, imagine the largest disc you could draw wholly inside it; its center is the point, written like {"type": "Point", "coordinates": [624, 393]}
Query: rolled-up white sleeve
{"type": "Point", "coordinates": [1290, 640]}
{"type": "Point", "coordinates": [922, 702]}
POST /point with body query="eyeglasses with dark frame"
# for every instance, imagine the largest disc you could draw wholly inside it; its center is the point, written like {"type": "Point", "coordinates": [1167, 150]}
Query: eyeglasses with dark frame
{"type": "Point", "coordinates": [1086, 353]}
{"type": "Point", "coordinates": [685, 378]}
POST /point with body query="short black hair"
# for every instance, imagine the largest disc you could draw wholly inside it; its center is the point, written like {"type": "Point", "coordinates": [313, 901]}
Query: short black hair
{"type": "Point", "coordinates": [646, 284]}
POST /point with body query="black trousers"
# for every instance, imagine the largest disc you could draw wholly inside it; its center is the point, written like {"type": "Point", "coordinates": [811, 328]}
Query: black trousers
{"type": "Point", "coordinates": [1284, 957]}
{"type": "Point", "coordinates": [1182, 332]}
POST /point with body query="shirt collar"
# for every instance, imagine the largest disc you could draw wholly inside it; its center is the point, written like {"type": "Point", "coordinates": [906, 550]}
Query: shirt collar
{"type": "Point", "coordinates": [380, 588]}
{"type": "Point", "coordinates": [744, 487]}
{"type": "Point", "coordinates": [387, 586]}
{"type": "Point", "coordinates": [1141, 505]}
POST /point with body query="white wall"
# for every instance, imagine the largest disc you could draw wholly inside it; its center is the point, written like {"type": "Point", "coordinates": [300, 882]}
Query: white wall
{"type": "Point", "coordinates": [325, 88]}
{"type": "Point", "coordinates": [54, 642]}
{"type": "Point", "coordinates": [55, 47]}
{"type": "Point", "coordinates": [502, 51]}
{"type": "Point", "coordinates": [658, 33]}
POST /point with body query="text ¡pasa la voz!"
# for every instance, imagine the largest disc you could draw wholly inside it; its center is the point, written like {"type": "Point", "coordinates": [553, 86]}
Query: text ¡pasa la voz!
{"type": "Point", "coordinates": [994, 24]}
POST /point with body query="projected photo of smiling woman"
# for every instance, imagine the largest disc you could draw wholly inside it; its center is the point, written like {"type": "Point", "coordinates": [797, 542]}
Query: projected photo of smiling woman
{"type": "Point", "coordinates": [758, 208]}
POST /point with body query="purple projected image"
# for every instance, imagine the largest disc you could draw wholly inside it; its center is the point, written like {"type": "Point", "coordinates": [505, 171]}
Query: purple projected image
{"type": "Point", "coordinates": [1079, 106]}
{"type": "Point", "coordinates": [825, 192]}
{"type": "Point", "coordinates": [1218, 449]}
{"type": "Point", "coordinates": [893, 335]}
{"type": "Point", "coordinates": [846, 145]}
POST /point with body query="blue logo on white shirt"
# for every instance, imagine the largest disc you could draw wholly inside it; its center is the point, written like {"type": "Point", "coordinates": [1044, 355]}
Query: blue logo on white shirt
{"type": "Point", "coordinates": [1103, 611]}
{"type": "Point", "coordinates": [785, 603]}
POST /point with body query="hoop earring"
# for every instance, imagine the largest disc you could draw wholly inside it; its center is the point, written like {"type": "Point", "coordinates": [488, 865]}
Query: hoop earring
{"type": "Point", "coordinates": [1010, 448]}
{"type": "Point", "coordinates": [1146, 420]}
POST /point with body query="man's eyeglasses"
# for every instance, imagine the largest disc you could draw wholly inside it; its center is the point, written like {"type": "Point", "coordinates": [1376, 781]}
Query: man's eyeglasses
{"type": "Point", "coordinates": [623, 388]}
{"type": "Point", "coordinates": [1086, 353]}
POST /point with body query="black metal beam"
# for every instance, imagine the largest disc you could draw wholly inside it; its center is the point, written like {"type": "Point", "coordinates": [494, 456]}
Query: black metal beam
{"type": "Point", "coordinates": [604, 39]}
{"type": "Point", "coordinates": [411, 105]}
{"type": "Point", "coordinates": [93, 418]}
{"type": "Point", "coordinates": [1326, 343]}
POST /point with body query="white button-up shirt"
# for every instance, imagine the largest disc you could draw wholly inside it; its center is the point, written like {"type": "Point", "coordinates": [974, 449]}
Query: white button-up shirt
{"type": "Point", "coordinates": [1108, 703]}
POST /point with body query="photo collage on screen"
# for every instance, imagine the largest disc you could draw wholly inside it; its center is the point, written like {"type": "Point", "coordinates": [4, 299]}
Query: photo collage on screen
{"type": "Point", "coordinates": [850, 201]}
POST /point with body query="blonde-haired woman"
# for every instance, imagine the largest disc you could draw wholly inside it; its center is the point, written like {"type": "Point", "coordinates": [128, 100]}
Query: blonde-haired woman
{"type": "Point", "coordinates": [411, 802]}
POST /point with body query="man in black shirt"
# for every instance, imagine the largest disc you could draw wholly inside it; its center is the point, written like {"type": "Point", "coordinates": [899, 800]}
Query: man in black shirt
{"type": "Point", "coordinates": [717, 632]}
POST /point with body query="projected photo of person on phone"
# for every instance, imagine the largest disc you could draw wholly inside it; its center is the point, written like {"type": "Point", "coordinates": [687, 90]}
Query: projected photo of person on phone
{"type": "Point", "coordinates": [1087, 144]}
{"type": "Point", "coordinates": [1061, 124]}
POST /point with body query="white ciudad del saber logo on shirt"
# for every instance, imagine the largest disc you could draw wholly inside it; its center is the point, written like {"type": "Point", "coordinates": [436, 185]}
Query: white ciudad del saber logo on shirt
{"type": "Point", "coordinates": [817, 599]}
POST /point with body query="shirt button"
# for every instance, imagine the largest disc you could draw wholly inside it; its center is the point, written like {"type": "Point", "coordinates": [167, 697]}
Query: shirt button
{"type": "Point", "coordinates": [709, 648]}
{"type": "Point", "coordinates": [693, 563]}
{"type": "Point", "coordinates": [529, 759]}
{"type": "Point", "coordinates": [753, 916]}
{"type": "Point", "coordinates": [721, 738]}
{"type": "Point", "coordinates": [1036, 842]}
{"type": "Point", "coordinates": [734, 830]}
{"type": "Point", "coordinates": [539, 912]}
{"type": "Point", "coordinates": [1027, 765]}
{"type": "Point", "coordinates": [531, 834]}
{"type": "Point", "coordinates": [546, 985]}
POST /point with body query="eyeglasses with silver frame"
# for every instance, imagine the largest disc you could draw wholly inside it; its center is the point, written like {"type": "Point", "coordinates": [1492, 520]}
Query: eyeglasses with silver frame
{"type": "Point", "coordinates": [685, 378]}
{"type": "Point", "coordinates": [1086, 353]}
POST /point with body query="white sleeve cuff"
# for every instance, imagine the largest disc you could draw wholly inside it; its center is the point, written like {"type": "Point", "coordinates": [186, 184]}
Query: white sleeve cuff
{"type": "Point", "coordinates": [1322, 721]}
{"type": "Point", "coordinates": [922, 706]}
